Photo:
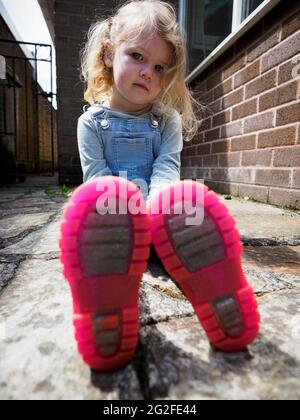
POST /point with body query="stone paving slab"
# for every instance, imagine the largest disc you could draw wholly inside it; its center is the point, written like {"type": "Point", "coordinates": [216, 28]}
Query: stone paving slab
{"type": "Point", "coordinates": [41, 241]}
{"type": "Point", "coordinates": [174, 360]}
{"type": "Point", "coordinates": [283, 259]}
{"type": "Point", "coordinates": [262, 224]}
{"type": "Point", "coordinates": [182, 365]}
{"type": "Point", "coordinates": [39, 359]}
{"type": "Point", "coordinates": [16, 225]}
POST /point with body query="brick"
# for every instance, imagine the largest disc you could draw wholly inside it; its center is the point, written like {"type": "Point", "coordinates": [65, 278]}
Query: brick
{"type": "Point", "coordinates": [257, 158]}
{"type": "Point", "coordinates": [199, 138]}
{"type": "Point", "coordinates": [204, 149]}
{"type": "Point", "coordinates": [285, 198]}
{"type": "Point", "coordinates": [280, 12]}
{"type": "Point", "coordinates": [191, 173]}
{"type": "Point", "coordinates": [232, 130]}
{"type": "Point", "coordinates": [212, 135]}
{"type": "Point", "coordinates": [223, 88]}
{"type": "Point", "coordinates": [222, 118]}
{"type": "Point", "coordinates": [289, 70]}
{"type": "Point", "coordinates": [206, 124]}
{"type": "Point", "coordinates": [210, 161]}
{"type": "Point", "coordinates": [214, 186]}
{"type": "Point", "coordinates": [225, 59]}
{"type": "Point", "coordinates": [216, 106]}
{"type": "Point", "coordinates": [202, 173]}
{"type": "Point", "coordinates": [243, 175]}
{"type": "Point", "coordinates": [251, 37]}
{"type": "Point", "coordinates": [201, 87]}
{"type": "Point", "coordinates": [221, 147]}
{"type": "Point", "coordinates": [234, 189]}
{"type": "Point", "coordinates": [207, 97]}
{"type": "Point", "coordinates": [223, 187]}
{"type": "Point", "coordinates": [196, 161]}
{"type": "Point", "coordinates": [70, 31]}
{"type": "Point", "coordinates": [276, 138]}
{"type": "Point", "coordinates": [233, 98]}
{"type": "Point", "coordinates": [68, 8]}
{"type": "Point", "coordinates": [243, 143]}
{"type": "Point", "coordinates": [296, 179]}
{"type": "Point", "coordinates": [80, 21]}
{"type": "Point", "coordinates": [234, 67]}
{"type": "Point", "coordinates": [259, 122]}
{"type": "Point", "coordinates": [75, 161]}
{"type": "Point", "coordinates": [288, 114]}
{"type": "Point", "coordinates": [291, 25]}
{"type": "Point", "coordinates": [245, 109]}
{"type": "Point", "coordinates": [282, 52]}
{"type": "Point", "coordinates": [263, 45]}
{"type": "Point", "coordinates": [249, 73]}
{"type": "Point", "coordinates": [219, 174]}
{"type": "Point", "coordinates": [214, 81]}
{"type": "Point", "coordinates": [61, 20]}
{"type": "Point", "coordinates": [230, 160]}
{"type": "Point", "coordinates": [280, 96]}
{"type": "Point", "coordinates": [273, 177]}
{"type": "Point", "coordinates": [266, 82]}
{"type": "Point", "coordinates": [190, 151]}
{"type": "Point", "coordinates": [287, 157]}
{"type": "Point", "coordinates": [254, 192]}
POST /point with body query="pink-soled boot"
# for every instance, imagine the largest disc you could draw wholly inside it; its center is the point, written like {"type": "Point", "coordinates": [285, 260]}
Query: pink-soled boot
{"type": "Point", "coordinates": [204, 259]}
{"type": "Point", "coordinates": [104, 257]}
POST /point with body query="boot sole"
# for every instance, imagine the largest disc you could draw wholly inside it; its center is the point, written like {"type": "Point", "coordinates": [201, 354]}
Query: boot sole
{"type": "Point", "coordinates": [204, 260]}
{"type": "Point", "coordinates": [104, 257]}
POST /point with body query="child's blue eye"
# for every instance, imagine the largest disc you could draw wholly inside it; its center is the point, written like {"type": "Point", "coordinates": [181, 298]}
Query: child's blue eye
{"type": "Point", "coordinates": [136, 56]}
{"type": "Point", "coordinates": [160, 69]}
{"type": "Point", "coordinates": [139, 57]}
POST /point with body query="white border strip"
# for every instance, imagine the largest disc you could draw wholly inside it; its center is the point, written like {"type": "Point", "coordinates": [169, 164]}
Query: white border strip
{"type": "Point", "coordinates": [247, 24]}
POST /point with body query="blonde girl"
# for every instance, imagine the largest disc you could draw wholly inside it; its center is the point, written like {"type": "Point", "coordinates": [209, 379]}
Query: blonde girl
{"type": "Point", "coordinates": [130, 140]}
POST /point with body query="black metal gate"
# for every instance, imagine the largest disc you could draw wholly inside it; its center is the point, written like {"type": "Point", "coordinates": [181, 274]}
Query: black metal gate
{"type": "Point", "coordinates": [20, 114]}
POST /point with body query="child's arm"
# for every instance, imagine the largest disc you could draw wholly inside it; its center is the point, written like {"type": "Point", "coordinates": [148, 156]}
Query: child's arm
{"type": "Point", "coordinates": [91, 149]}
{"type": "Point", "coordinates": [166, 167]}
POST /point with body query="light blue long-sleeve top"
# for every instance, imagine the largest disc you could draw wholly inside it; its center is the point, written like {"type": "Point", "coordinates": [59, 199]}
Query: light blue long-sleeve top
{"type": "Point", "coordinates": [146, 145]}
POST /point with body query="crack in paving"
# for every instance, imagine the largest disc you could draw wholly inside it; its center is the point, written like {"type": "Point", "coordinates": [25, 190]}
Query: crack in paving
{"type": "Point", "coordinates": [259, 242]}
{"type": "Point", "coordinates": [168, 291]}
{"type": "Point", "coordinates": [9, 272]}
{"type": "Point", "coordinates": [4, 243]}
{"type": "Point", "coordinates": [141, 367]}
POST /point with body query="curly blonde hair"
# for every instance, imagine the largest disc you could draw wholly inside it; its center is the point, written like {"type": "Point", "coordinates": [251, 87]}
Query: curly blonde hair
{"type": "Point", "coordinates": [134, 19]}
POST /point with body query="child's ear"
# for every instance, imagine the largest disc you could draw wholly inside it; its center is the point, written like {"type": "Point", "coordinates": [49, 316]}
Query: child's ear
{"type": "Point", "coordinates": [108, 55]}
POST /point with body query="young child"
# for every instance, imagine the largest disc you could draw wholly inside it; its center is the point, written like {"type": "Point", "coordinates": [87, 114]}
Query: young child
{"type": "Point", "coordinates": [130, 140]}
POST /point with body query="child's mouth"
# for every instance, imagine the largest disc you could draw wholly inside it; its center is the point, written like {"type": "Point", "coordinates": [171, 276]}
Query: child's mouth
{"type": "Point", "coordinates": [141, 86]}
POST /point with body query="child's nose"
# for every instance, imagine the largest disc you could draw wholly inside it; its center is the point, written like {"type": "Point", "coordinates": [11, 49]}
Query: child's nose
{"type": "Point", "coordinates": [147, 72]}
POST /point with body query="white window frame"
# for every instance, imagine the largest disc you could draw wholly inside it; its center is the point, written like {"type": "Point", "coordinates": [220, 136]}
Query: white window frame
{"type": "Point", "coordinates": [239, 28]}
{"type": "Point", "coordinates": [237, 14]}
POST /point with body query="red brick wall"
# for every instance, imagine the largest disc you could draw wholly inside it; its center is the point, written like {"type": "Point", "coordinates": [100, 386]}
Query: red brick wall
{"type": "Point", "coordinates": [249, 143]}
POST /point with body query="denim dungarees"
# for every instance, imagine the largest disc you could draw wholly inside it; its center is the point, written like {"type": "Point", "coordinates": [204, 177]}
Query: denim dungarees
{"type": "Point", "coordinates": [130, 144]}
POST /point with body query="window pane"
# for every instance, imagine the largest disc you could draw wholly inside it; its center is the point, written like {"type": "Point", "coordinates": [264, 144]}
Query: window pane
{"type": "Point", "coordinates": [249, 6]}
{"type": "Point", "coordinates": [208, 23]}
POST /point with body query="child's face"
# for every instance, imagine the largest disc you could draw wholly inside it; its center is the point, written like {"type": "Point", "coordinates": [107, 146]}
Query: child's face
{"type": "Point", "coordinates": [139, 63]}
